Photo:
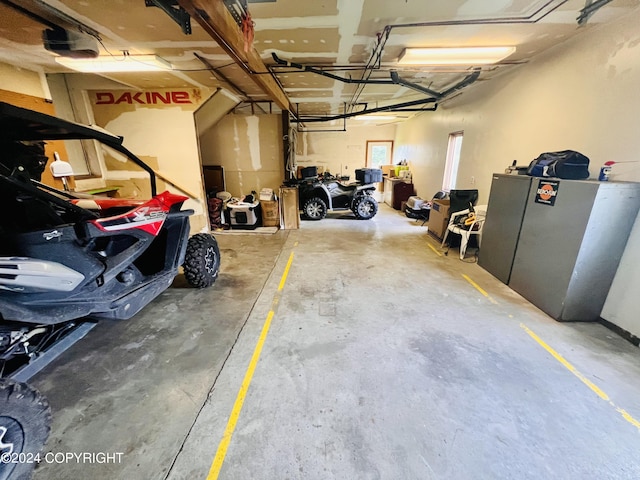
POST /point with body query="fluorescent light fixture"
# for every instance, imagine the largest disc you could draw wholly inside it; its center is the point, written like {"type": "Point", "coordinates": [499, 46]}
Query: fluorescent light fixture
{"type": "Point", "coordinates": [112, 64]}
{"type": "Point", "coordinates": [454, 56]}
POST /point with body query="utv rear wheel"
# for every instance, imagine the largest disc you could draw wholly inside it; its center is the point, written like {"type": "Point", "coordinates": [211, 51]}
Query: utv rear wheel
{"type": "Point", "coordinates": [365, 208]}
{"type": "Point", "coordinates": [315, 209]}
{"type": "Point", "coordinates": [202, 260]}
{"type": "Point", "coordinates": [25, 423]}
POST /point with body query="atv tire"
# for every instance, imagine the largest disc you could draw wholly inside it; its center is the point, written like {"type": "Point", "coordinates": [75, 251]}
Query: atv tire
{"type": "Point", "coordinates": [25, 423]}
{"type": "Point", "coordinates": [202, 260]}
{"type": "Point", "coordinates": [314, 209]}
{"type": "Point", "coordinates": [365, 208]}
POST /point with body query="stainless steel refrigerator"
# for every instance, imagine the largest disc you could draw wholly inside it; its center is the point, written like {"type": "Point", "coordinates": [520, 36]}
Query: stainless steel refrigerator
{"type": "Point", "coordinates": [569, 243]}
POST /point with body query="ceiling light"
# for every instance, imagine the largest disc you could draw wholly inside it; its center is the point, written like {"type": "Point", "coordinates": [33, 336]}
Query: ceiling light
{"type": "Point", "coordinates": [111, 64]}
{"type": "Point", "coordinates": [454, 56]}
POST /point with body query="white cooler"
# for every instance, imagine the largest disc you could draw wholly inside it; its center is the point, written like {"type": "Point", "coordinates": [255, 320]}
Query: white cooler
{"type": "Point", "coordinates": [243, 215]}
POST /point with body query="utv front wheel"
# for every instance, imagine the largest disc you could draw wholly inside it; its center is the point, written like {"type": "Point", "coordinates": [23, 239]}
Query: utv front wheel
{"type": "Point", "coordinates": [202, 260]}
{"type": "Point", "coordinates": [365, 208]}
{"type": "Point", "coordinates": [25, 423]}
{"type": "Point", "coordinates": [315, 209]}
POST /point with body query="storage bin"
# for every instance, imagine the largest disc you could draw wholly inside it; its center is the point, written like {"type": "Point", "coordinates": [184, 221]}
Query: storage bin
{"type": "Point", "coordinates": [368, 175]}
{"type": "Point", "coordinates": [309, 172]}
{"type": "Point", "coordinates": [415, 202]}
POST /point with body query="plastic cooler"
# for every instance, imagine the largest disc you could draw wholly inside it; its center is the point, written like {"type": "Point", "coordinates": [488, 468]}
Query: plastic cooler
{"type": "Point", "coordinates": [244, 215]}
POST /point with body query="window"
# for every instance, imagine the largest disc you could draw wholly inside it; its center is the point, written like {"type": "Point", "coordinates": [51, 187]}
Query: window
{"type": "Point", "coordinates": [453, 159]}
{"type": "Point", "coordinates": [379, 153]}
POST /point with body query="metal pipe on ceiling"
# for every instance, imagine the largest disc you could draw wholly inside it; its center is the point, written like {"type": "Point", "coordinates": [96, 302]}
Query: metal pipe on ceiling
{"type": "Point", "coordinates": [388, 108]}
{"type": "Point", "coordinates": [591, 7]}
{"type": "Point", "coordinates": [376, 55]}
{"type": "Point", "coordinates": [405, 83]}
{"type": "Point", "coordinates": [468, 80]}
{"type": "Point", "coordinates": [435, 96]}
{"type": "Point", "coordinates": [309, 69]}
{"type": "Point", "coordinates": [535, 17]}
{"type": "Point", "coordinates": [395, 79]}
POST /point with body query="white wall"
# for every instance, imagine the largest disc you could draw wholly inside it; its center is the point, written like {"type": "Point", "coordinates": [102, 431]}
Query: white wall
{"type": "Point", "coordinates": [341, 152]}
{"type": "Point", "coordinates": [583, 95]}
{"type": "Point", "coordinates": [620, 307]}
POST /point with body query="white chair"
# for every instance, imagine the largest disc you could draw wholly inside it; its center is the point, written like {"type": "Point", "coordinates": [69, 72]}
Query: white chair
{"type": "Point", "coordinates": [465, 231]}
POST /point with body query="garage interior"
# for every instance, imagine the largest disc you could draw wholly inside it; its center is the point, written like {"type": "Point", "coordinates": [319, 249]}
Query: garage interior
{"type": "Point", "coordinates": [345, 348]}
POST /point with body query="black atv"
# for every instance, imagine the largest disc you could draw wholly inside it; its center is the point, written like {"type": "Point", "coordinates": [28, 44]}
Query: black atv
{"type": "Point", "coordinates": [320, 194]}
{"type": "Point", "coordinates": [65, 257]}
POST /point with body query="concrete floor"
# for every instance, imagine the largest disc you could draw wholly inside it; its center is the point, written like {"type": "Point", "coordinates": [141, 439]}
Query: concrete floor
{"type": "Point", "coordinates": [382, 362]}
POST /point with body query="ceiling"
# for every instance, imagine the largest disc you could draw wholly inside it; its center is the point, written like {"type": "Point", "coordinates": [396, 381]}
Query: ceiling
{"type": "Point", "coordinates": [358, 41]}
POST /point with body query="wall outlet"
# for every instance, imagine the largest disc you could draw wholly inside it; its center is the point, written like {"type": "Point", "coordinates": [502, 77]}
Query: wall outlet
{"type": "Point", "coordinates": [473, 180]}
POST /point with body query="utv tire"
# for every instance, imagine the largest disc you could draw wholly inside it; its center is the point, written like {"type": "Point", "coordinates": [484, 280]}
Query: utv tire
{"type": "Point", "coordinates": [25, 423]}
{"type": "Point", "coordinates": [365, 208]}
{"type": "Point", "coordinates": [202, 261]}
{"type": "Point", "coordinates": [315, 209]}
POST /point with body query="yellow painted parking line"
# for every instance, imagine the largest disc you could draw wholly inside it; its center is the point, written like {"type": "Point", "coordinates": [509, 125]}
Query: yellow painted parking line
{"type": "Point", "coordinates": [479, 288]}
{"type": "Point", "coordinates": [218, 460]}
{"type": "Point", "coordinates": [434, 249]}
{"type": "Point", "coordinates": [283, 280]}
{"type": "Point", "coordinates": [597, 390]}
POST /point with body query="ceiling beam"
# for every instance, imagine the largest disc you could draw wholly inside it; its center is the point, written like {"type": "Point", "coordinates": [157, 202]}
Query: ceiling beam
{"type": "Point", "coordinates": [213, 16]}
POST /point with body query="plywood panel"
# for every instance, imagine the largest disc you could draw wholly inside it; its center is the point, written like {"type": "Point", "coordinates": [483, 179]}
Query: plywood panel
{"type": "Point", "coordinates": [290, 214]}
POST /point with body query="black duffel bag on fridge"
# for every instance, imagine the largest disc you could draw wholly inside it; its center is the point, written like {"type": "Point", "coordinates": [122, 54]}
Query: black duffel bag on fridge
{"type": "Point", "coordinates": [567, 164]}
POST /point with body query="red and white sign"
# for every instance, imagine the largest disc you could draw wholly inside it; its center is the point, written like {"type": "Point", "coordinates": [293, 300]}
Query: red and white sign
{"type": "Point", "coordinates": [151, 97]}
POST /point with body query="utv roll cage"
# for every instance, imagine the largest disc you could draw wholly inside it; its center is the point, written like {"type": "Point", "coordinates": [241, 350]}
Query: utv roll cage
{"type": "Point", "coordinates": [19, 124]}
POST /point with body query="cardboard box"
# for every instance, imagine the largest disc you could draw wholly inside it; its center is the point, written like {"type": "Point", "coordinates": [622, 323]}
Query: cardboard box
{"type": "Point", "coordinates": [270, 213]}
{"type": "Point", "coordinates": [386, 169]}
{"type": "Point", "coordinates": [266, 194]}
{"type": "Point", "coordinates": [439, 217]}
